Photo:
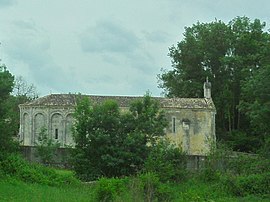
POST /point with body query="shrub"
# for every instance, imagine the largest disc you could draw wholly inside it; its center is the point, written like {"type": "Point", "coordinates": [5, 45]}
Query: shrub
{"type": "Point", "coordinates": [167, 161]}
{"type": "Point", "coordinates": [256, 184]}
{"type": "Point", "coordinates": [224, 161]}
{"type": "Point", "coordinates": [153, 189]}
{"type": "Point", "coordinates": [150, 182]}
{"type": "Point", "coordinates": [46, 147]}
{"type": "Point", "coordinates": [243, 164]}
{"type": "Point", "coordinates": [15, 166]}
{"type": "Point", "coordinates": [108, 188]}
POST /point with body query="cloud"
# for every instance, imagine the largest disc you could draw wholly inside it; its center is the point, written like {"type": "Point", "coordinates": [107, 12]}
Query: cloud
{"type": "Point", "coordinates": [29, 47]}
{"type": "Point", "coordinates": [118, 46]}
{"type": "Point", "coordinates": [5, 3]}
{"type": "Point", "coordinates": [156, 36]}
{"type": "Point", "coordinates": [108, 36]}
{"type": "Point", "coordinates": [29, 43]}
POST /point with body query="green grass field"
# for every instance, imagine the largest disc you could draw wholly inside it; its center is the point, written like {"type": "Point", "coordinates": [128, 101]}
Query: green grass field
{"type": "Point", "coordinates": [24, 181]}
{"type": "Point", "coordinates": [13, 190]}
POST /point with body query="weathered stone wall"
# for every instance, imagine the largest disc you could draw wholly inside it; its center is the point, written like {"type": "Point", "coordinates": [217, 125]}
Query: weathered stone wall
{"type": "Point", "coordinates": [56, 120]}
{"type": "Point", "coordinates": [191, 129]}
{"type": "Point", "coordinates": [62, 159]}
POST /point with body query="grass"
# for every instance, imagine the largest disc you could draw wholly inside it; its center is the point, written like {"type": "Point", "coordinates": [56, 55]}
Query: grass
{"type": "Point", "coordinates": [195, 190]}
{"type": "Point", "coordinates": [13, 190]}
{"type": "Point", "coordinates": [23, 181]}
{"type": "Point", "coordinates": [192, 190]}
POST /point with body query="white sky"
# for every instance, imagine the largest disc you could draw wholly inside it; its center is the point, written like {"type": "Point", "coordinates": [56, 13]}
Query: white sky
{"type": "Point", "coordinates": [112, 47]}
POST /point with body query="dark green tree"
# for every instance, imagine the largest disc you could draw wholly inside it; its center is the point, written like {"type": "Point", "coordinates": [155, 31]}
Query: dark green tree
{"type": "Point", "coordinates": [228, 54]}
{"type": "Point", "coordinates": [6, 137]}
{"type": "Point", "coordinates": [256, 105]}
{"type": "Point", "coordinates": [109, 143]}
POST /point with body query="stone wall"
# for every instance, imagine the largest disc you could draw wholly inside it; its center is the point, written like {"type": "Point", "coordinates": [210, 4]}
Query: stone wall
{"type": "Point", "coordinates": [194, 162]}
{"type": "Point", "coordinates": [56, 120]}
{"type": "Point", "coordinates": [191, 129]}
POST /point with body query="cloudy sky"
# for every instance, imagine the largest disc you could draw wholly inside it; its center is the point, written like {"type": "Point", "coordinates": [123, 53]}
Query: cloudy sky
{"type": "Point", "coordinates": [112, 47]}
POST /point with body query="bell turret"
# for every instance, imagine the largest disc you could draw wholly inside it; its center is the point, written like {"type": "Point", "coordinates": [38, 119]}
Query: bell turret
{"type": "Point", "coordinates": [207, 89]}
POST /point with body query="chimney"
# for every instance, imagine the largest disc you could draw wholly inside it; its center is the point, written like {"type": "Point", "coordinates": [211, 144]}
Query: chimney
{"type": "Point", "coordinates": [207, 89]}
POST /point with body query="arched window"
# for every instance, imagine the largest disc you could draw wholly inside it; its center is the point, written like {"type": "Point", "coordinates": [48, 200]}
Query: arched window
{"type": "Point", "coordinates": [39, 123]}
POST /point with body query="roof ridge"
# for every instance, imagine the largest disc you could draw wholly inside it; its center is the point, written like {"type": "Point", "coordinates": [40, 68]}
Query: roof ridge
{"type": "Point", "coordinates": [123, 101]}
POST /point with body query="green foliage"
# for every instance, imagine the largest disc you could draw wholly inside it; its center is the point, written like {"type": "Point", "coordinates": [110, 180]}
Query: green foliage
{"type": "Point", "coordinates": [167, 161]}
{"type": "Point", "coordinates": [153, 189]}
{"type": "Point", "coordinates": [243, 141]}
{"type": "Point", "coordinates": [14, 190]}
{"type": "Point", "coordinates": [110, 143]}
{"type": "Point", "coordinates": [239, 174]}
{"type": "Point", "coordinates": [235, 58]}
{"type": "Point", "coordinates": [255, 184]}
{"type": "Point", "coordinates": [108, 188]}
{"type": "Point", "coordinates": [224, 161]}
{"type": "Point", "coordinates": [144, 187]}
{"type": "Point", "coordinates": [6, 135]}
{"type": "Point", "coordinates": [16, 167]}
{"type": "Point", "coordinates": [22, 93]}
{"type": "Point", "coordinates": [148, 118]}
{"type": "Point", "coordinates": [256, 104]}
{"type": "Point", "coordinates": [46, 147]}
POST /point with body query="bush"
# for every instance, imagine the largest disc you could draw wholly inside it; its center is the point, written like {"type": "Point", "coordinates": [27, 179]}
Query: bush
{"type": "Point", "coordinates": [153, 189]}
{"type": "Point", "coordinates": [223, 161]}
{"type": "Point", "coordinates": [16, 167]}
{"type": "Point", "coordinates": [144, 187]}
{"type": "Point", "coordinates": [46, 147]}
{"type": "Point", "coordinates": [167, 161]}
{"type": "Point", "coordinates": [108, 188]}
{"type": "Point", "coordinates": [256, 184]}
{"type": "Point", "coordinates": [248, 164]}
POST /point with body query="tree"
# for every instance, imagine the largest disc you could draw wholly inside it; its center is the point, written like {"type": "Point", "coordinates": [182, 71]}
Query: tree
{"type": "Point", "coordinates": [24, 90]}
{"type": "Point", "coordinates": [46, 147]}
{"type": "Point", "coordinates": [22, 93]}
{"type": "Point", "coordinates": [6, 136]}
{"type": "Point", "coordinates": [228, 54]}
{"type": "Point", "coordinates": [148, 118]}
{"type": "Point", "coordinates": [256, 104]}
{"type": "Point", "coordinates": [113, 143]}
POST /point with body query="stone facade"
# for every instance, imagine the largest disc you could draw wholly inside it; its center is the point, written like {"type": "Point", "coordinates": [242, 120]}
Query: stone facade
{"type": "Point", "coordinates": [191, 120]}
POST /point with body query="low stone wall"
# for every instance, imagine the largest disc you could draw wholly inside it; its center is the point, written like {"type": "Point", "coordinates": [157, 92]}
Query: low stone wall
{"type": "Point", "coordinates": [61, 158]}
{"type": "Point", "coordinates": [194, 162]}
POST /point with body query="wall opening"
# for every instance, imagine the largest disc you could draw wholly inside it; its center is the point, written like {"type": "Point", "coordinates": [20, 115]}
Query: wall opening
{"type": "Point", "coordinates": [173, 125]}
{"type": "Point", "coordinates": [56, 133]}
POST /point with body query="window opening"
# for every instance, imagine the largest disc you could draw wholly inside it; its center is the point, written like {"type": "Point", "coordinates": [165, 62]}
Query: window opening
{"type": "Point", "coordinates": [56, 133]}
{"type": "Point", "coordinates": [173, 125]}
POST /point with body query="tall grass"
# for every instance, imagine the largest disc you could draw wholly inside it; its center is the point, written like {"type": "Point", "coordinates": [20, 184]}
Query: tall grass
{"type": "Point", "coordinates": [15, 167]}
{"type": "Point", "coordinates": [241, 178]}
{"type": "Point", "coordinates": [14, 190]}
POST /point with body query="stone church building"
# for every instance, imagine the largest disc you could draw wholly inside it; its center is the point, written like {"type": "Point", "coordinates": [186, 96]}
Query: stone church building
{"type": "Point", "coordinates": [191, 120]}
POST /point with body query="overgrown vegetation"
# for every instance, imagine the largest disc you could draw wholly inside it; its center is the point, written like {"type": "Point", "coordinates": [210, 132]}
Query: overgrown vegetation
{"type": "Point", "coordinates": [235, 58]}
{"type": "Point", "coordinates": [46, 147]}
{"type": "Point", "coordinates": [112, 144]}
{"type": "Point", "coordinates": [120, 150]}
{"type": "Point", "coordinates": [225, 177]}
{"type": "Point", "coordinates": [15, 167]}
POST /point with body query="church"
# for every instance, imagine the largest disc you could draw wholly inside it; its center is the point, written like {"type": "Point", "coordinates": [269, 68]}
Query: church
{"type": "Point", "coordinates": [191, 120]}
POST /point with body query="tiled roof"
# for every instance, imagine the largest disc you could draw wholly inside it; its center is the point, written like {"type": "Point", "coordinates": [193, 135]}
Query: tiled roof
{"type": "Point", "coordinates": [123, 101]}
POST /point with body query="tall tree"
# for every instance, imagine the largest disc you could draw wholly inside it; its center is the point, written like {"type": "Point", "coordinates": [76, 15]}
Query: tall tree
{"type": "Point", "coordinates": [6, 86]}
{"type": "Point", "coordinates": [110, 143]}
{"type": "Point", "coordinates": [22, 92]}
{"type": "Point", "coordinates": [227, 54]}
{"type": "Point", "coordinates": [256, 105]}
